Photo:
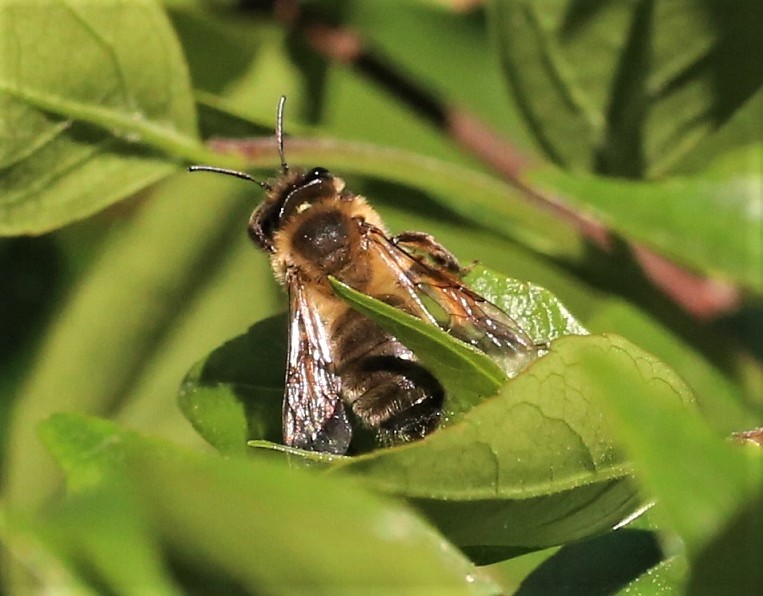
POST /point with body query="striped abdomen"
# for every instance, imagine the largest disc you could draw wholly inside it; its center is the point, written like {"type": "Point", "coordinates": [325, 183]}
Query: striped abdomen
{"type": "Point", "coordinates": [383, 383]}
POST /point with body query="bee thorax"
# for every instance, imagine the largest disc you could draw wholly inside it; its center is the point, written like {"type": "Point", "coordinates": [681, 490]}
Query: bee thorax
{"type": "Point", "coordinates": [324, 239]}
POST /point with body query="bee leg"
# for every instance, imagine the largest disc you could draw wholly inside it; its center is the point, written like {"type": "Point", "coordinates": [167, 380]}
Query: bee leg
{"type": "Point", "coordinates": [423, 242]}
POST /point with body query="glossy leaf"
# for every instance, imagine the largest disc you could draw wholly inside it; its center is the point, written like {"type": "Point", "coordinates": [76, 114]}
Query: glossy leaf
{"type": "Point", "coordinates": [73, 139]}
{"type": "Point", "coordinates": [258, 521]}
{"type": "Point", "coordinates": [719, 397]}
{"type": "Point", "coordinates": [538, 463]}
{"type": "Point", "coordinates": [536, 310]}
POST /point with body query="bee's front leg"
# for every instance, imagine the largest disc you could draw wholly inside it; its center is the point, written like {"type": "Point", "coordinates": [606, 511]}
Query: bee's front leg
{"type": "Point", "coordinates": [425, 243]}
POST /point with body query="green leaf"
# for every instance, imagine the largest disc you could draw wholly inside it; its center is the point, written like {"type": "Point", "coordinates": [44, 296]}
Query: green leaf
{"type": "Point", "coordinates": [697, 501]}
{"type": "Point", "coordinates": [91, 451]}
{"type": "Point", "coordinates": [536, 310]}
{"type": "Point", "coordinates": [23, 545]}
{"type": "Point", "coordinates": [560, 74]}
{"type": "Point", "coordinates": [537, 464]}
{"type": "Point", "coordinates": [664, 579]}
{"type": "Point", "coordinates": [266, 506]}
{"type": "Point", "coordinates": [687, 219]}
{"type": "Point", "coordinates": [467, 374]}
{"type": "Point", "coordinates": [103, 537]}
{"type": "Point", "coordinates": [103, 340]}
{"type": "Point", "coordinates": [600, 565]}
{"type": "Point", "coordinates": [74, 137]}
{"type": "Point", "coordinates": [730, 562]}
{"type": "Point", "coordinates": [719, 397]}
{"type": "Point", "coordinates": [259, 522]}
{"type": "Point", "coordinates": [628, 88]}
{"type": "Point", "coordinates": [236, 393]}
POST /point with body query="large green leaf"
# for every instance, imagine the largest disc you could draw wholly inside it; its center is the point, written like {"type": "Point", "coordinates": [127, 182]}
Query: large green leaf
{"type": "Point", "coordinates": [103, 539]}
{"type": "Point", "coordinates": [628, 88]}
{"type": "Point", "coordinates": [266, 527]}
{"type": "Point", "coordinates": [538, 463]}
{"type": "Point", "coordinates": [719, 397]}
{"type": "Point", "coordinates": [697, 501]}
{"type": "Point", "coordinates": [74, 134]}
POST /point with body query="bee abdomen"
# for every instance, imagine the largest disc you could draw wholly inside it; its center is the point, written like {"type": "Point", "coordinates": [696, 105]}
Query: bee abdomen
{"type": "Point", "coordinates": [387, 388]}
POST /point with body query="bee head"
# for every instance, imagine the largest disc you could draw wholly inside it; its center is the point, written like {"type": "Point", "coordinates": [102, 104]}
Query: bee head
{"type": "Point", "coordinates": [292, 191]}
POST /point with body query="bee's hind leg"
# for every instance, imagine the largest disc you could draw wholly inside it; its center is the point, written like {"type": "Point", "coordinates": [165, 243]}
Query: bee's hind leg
{"type": "Point", "coordinates": [425, 243]}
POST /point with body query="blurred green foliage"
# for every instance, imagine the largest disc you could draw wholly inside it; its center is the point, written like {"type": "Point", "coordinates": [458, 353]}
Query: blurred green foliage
{"type": "Point", "coordinates": [644, 115]}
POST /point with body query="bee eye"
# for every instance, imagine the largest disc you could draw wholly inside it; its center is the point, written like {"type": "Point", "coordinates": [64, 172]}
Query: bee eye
{"type": "Point", "coordinates": [316, 174]}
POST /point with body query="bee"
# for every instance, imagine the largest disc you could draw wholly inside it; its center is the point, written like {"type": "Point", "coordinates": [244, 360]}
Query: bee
{"type": "Point", "coordinates": [342, 368]}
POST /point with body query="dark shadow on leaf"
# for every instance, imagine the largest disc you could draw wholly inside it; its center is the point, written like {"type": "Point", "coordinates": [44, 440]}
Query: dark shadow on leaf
{"type": "Point", "coordinates": [201, 577]}
{"type": "Point", "coordinates": [622, 152]}
{"type": "Point", "coordinates": [252, 367]}
{"type": "Point", "coordinates": [731, 562]}
{"type": "Point", "coordinates": [737, 64]}
{"type": "Point", "coordinates": [32, 271]}
{"type": "Point", "coordinates": [746, 325]}
{"type": "Point", "coordinates": [595, 567]}
{"type": "Point", "coordinates": [216, 123]}
{"type": "Point", "coordinates": [215, 58]}
{"type": "Point", "coordinates": [487, 555]}
{"type": "Point", "coordinates": [579, 14]}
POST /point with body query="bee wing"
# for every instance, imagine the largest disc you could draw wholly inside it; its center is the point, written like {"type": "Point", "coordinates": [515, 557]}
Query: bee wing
{"type": "Point", "coordinates": [313, 414]}
{"type": "Point", "coordinates": [441, 298]}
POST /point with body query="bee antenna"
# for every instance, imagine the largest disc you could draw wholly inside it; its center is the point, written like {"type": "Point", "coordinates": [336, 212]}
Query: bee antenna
{"type": "Point", "coordinates": [279, 134]}
{"type": "Point", "coordinates": [228, 172]}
